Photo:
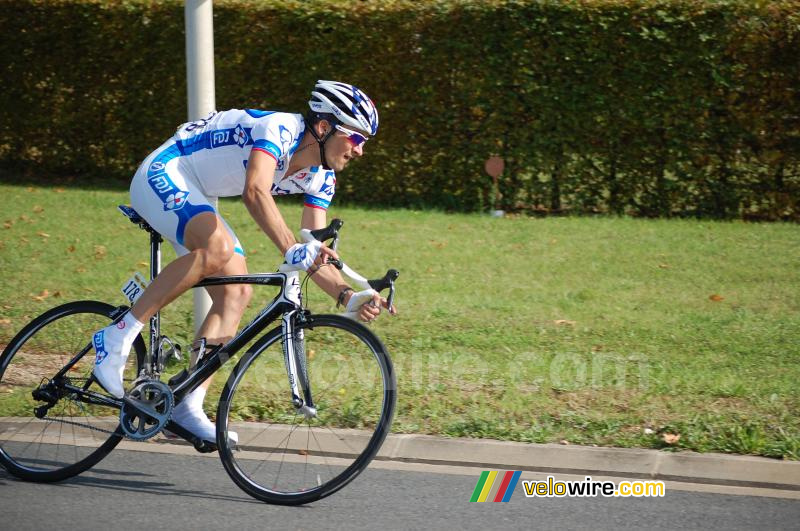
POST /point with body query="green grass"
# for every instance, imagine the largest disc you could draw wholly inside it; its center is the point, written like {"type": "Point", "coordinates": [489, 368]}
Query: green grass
{"type": "Point", "coordinates": [605, 331]}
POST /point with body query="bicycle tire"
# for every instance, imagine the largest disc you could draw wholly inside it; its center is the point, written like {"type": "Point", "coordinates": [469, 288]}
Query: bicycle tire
{"type": "Point", "coordinates": [354, 414]}
{"type": "Point", "coordinates": [32, 448]}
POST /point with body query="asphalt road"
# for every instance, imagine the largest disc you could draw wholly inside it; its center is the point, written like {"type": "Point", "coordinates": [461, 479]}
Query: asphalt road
{"type": "Point", "coordinates": [137, 490]}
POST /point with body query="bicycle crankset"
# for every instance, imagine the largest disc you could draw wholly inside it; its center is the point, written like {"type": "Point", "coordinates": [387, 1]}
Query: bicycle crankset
{"type": "Point", "coordinates": [146, 410]}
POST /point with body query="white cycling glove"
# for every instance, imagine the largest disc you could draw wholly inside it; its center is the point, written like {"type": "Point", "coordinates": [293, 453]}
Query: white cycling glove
{"type": "Point", "coordinates": [357, 299]}
{"type": "Point", "coordinates": [301, 256]}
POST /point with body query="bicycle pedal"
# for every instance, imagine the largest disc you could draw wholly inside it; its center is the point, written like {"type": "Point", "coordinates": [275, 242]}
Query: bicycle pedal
{"type": "Point", "coordinates": [205, 447]}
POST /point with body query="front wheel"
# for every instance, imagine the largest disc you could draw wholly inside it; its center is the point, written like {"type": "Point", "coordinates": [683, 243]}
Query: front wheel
{"type": "Point", "coordinates": [282, 456]}
{"type": "Point", "coordinates": [47, 433]}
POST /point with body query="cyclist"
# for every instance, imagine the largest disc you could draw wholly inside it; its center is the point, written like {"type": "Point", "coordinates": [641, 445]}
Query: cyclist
{"type": "Point", "coordinates": [255, 154]}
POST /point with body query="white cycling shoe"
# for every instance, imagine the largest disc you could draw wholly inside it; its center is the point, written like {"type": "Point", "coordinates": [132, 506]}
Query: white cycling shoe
{"type": "Point", "coordinates": [196, 421]}
{"type": "Point", "coordinates": [109, 364]}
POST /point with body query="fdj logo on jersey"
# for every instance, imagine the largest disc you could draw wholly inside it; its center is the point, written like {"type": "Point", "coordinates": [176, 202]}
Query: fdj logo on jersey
{"type": "Point", "coordinates": [172, 197]}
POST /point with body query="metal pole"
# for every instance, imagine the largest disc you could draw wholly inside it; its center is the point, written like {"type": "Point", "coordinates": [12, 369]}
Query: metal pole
{"type": "Point", "coordinates": [201, 95]}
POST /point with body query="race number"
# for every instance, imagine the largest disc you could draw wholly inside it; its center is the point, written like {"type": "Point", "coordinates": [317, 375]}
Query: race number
{"type": "Point", "coordinates": [134, 287]}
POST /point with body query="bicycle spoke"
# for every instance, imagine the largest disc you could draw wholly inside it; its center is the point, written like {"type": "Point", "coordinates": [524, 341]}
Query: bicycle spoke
{"type": "Point", "coordinates": [291, 458]}
{"type": "Point", "coordinates": [67, 439]}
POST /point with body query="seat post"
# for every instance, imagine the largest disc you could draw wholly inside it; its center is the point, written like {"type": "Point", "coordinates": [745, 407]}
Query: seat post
{"type": "Point", "coordinates": [155, 254]}
{"type": "Point", "coordinates": [154, 352]}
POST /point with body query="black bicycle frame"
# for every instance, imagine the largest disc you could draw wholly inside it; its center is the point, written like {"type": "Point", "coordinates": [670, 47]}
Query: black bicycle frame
{"type": "Point", "coordinates": [213, 361]}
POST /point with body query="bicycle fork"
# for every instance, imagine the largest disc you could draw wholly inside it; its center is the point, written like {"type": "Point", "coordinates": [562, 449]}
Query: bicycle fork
{"type": "Point", "coordinates": [294, 357]}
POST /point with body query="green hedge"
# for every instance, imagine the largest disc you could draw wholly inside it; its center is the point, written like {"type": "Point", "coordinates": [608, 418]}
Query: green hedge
{"type": "Point", "coordinates": [641, 107]}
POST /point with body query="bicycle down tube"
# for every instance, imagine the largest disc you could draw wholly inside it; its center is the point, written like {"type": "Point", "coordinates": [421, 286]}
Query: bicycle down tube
{"type": "Point", "coordinates": [281, 305]}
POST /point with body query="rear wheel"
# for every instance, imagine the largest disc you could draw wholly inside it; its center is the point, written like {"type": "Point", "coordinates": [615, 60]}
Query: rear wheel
{"type": "Point", "coordinates": [284, 457]}
{"type": "Point", "coordinates": [71, 435]}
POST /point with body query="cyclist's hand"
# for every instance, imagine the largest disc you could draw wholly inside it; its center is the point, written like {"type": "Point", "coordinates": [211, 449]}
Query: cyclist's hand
{"type": "Point", "coordinates": [301, 256]}
{"type": "Point", "coordinates": [367, 304]}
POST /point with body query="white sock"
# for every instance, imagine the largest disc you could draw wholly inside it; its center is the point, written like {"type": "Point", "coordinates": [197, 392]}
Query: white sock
{"type": "Point", "coordinates": [112, 345]}
{"type": "Point", "coordinates": [129, 327]}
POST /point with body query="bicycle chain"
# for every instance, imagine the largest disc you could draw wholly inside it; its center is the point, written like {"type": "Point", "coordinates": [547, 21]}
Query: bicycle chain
{"type": "Point", "coordinates": [73, 423]}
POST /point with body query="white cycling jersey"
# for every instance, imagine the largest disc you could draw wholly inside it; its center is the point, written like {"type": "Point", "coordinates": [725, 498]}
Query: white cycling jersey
{"type": "Point", "coordinates": [217, 149]}
{"type": "Point", "coordinates": [208, 158]}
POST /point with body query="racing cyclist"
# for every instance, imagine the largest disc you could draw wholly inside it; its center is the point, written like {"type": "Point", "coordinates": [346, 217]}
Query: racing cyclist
{"type": "Point", "coordinates": [255, 154]}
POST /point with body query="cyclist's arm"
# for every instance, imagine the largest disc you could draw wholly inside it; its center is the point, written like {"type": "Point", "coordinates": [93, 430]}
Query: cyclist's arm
{"type": "Point", "coordinates": [257, 196]}
{"type": "Point", "coordinates": [329, 279]}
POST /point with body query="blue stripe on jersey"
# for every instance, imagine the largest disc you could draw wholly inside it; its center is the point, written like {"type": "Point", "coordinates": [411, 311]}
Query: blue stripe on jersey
{"type": "Point", "coordinates": [255, 113]}
{"type": "Point", "coordinates": [234, 136]}
{"type": "Point", "coordinates": [269, 147]}
{"type": "Point", "coordinates": [310, 200]}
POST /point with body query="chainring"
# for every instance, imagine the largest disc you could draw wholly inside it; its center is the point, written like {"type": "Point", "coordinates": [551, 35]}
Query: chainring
{"type": "Point", "coordinates": [156, 400]}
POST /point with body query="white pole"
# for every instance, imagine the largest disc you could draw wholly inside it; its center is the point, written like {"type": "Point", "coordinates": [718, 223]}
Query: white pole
{"type": "Point", "coordinates": [201, 95]}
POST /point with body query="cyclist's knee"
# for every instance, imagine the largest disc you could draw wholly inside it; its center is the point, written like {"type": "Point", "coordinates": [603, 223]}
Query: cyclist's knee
{"type": "Point", "coordinates": [215, 256]}
{"type": "Point", "coordinates": [231, 299]}
{"type": "Point", "coordinates": [237, 296]}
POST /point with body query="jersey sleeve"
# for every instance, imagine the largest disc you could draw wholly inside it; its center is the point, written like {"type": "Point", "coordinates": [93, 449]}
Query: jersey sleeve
{"type": "Point", "coordinates": [319, 191]}
{"type": "Point", "coordinates": [275, 135]}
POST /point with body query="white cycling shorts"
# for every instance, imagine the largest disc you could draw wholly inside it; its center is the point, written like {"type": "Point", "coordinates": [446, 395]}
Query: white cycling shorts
{"type": "Point", "coordinates": [165, 194]}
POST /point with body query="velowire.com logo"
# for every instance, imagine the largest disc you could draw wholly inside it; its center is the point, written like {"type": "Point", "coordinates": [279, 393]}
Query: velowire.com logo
{"type": "Point", "coordinates": [495, 486]}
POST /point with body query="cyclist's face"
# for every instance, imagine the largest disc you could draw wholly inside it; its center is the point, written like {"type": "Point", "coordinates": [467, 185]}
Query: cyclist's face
{"type": "Point", "coordinates": [343, 147]}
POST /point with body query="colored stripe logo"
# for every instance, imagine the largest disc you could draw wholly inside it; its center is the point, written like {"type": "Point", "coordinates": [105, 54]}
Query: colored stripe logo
{"type": "Point", "coordinates": [495, 486]}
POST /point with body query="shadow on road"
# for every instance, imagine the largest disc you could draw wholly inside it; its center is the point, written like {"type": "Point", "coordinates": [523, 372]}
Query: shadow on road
{"type": "Point", "coordinates": [118, 483]}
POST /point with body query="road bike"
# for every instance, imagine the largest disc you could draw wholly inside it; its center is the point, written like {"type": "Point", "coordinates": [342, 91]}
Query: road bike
{"type": "Point", "coordinates": [298, 441]}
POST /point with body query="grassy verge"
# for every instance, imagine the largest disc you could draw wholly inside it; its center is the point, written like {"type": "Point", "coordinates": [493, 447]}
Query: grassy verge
{"type": "Point", "coordinates": [614, 332]}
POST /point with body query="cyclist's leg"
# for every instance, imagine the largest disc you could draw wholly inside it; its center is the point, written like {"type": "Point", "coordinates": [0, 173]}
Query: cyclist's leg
{"type": "Point", "coordinates": [163, 193]}
{"type": "Point", "coordinates": [209, 248]}
{"type": "Point", "coordinates": [227, 306]}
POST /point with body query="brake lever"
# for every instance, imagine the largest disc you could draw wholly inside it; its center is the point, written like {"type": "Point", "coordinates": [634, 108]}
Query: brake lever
{"type": "Point", "coordinates": [390, 298]}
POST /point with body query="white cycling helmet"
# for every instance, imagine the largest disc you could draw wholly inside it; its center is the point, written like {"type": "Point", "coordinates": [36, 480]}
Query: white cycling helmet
{"type": "Point", "coordinates": [347, 103]}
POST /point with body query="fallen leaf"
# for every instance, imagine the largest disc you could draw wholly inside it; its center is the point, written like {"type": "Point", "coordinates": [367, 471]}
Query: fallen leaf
{"type": "Point", "coordinates": [564, 442]}
{"type": "Point", "coordinates": [71, 249]}
{"type": "Point", "coordinates": [671, 438]}
{"type": "Point", "coordinates": [30, 189]}
{"type": "Point", "coordinates": [38, 209]}
{"type": "Point", "coordinates": [5, 322]}
{"type": "Point", "coordinates": [43, 234]}
{"type": "Point", "coordinates": [663, 266]}
{"type": "Point", "coordinates": [80, 269]}
{"type": "Point", "coordinates": [23, 217]}
{"type": "Point", "coordinates": [8, 224]}
{"type": "Point", "coordinates": [438, 245]}
{"type": "Point", "coordinates": [59, 190]}
{"type": "Point", "coordinates": [716, 298]}
{"type": "Point", "coordinates": [564, 322]}
{"type": "Point", "coordinates": [57, 293]}
{"type": "Point", "coordinates": [302, 452]}
{"type": "Point", "coordinates": [143, 264]}
{"type": "Point", "coordinates": [99, 252]}
{"type": "Point", "coordinates": [311, 353]}
{"type": "Point", "coordinates": [42, 296]}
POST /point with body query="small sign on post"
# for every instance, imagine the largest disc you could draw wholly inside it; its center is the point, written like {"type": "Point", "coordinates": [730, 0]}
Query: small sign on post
{"type": "Point", "coordinates": [494, 166]}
